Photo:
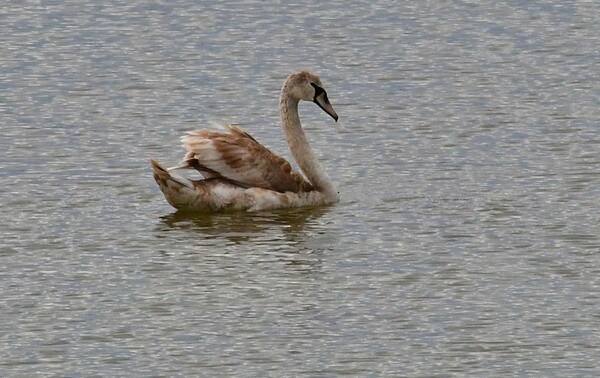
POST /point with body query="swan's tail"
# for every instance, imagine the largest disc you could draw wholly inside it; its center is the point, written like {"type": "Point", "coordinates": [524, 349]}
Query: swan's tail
{"type": "Point", "coordinates": [202, 195]}
{"type": "Point", "coordinates": [167, 180]}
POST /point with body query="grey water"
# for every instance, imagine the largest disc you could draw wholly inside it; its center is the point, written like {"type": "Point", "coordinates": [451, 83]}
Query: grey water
{"type": "Point", "coordinates": [467, 156]}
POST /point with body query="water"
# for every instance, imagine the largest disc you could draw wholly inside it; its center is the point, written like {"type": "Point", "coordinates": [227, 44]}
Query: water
{"type": "Point", "coordinates": [467, 156]}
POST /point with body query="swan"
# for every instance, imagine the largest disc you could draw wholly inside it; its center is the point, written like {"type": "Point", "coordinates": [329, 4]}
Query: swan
{"type": "Point", "coordinates": [241, 174]}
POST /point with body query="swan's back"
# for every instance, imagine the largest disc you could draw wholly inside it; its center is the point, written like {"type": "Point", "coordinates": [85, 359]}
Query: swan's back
{"type": "Point", "coordinates": [236, 156]}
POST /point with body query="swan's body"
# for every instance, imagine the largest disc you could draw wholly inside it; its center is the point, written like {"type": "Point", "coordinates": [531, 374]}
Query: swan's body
{"type": "Point", "coordinates": [241, 174]}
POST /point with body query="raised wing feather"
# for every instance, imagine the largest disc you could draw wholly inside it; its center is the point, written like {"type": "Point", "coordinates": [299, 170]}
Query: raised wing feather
{"type": "Point", "coordinates": [238, 157]}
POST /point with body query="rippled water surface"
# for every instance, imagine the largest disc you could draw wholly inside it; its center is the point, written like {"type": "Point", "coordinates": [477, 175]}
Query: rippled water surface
{"type": "Point", "coordinates": [467, 156]}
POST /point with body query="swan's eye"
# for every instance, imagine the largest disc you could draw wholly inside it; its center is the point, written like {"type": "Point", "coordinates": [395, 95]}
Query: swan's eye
{"type": "Point", "coordinates": [318, 90]}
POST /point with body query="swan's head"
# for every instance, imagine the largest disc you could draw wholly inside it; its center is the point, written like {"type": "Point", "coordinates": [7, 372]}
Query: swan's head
{"type": "Point", "coordinates": [307, 86]}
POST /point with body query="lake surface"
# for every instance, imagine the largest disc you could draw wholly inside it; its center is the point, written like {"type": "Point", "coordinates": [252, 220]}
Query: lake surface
{"type": "Point", "coordinates": [467, 156]}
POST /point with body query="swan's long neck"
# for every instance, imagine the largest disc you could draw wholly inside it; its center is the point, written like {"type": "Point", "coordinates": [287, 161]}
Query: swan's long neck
{"type": "Point", "coordinates": [300, 148]}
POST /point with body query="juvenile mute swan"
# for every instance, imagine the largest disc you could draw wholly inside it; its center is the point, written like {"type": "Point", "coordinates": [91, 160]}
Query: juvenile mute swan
{"type": "Point", "coordinates": [240, 173]}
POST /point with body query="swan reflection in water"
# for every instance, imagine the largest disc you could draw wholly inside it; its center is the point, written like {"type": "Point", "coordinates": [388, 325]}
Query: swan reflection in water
{"type": "Point", "coordinates": [240, 227]}
{"type": "Point", "coordinates": [292, 236]}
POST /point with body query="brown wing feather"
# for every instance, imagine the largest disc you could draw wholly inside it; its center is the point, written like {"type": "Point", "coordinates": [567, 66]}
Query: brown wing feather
{"type": "Point", "coordinates": [237, 156]}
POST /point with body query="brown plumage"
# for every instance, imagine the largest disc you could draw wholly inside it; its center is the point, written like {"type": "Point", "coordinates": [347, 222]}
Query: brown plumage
{"type": "Point", "coordinates": [236, 156]}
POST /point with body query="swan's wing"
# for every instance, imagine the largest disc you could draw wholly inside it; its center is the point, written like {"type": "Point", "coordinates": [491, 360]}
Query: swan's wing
{"type": "Point", "coordinates": [238, 157]}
